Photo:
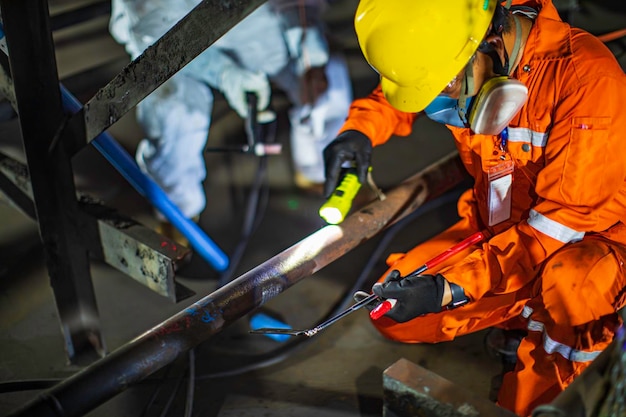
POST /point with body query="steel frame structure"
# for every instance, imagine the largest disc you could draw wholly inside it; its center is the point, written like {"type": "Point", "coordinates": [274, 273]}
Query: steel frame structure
{"type": "Point", "coordinates": [44, 188]}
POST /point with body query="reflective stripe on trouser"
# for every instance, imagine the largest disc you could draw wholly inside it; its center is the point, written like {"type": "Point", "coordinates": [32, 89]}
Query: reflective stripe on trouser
{"type": "Point", "coordinates": [582, 286]}
{"type": "Point", "coordinates": [571, 320]}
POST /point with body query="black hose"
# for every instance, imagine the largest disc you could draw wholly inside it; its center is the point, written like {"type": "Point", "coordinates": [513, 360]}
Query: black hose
{"type": "Point", "coordinates": [191, 384]}
{"type": "Point", "coordinates": [252, 215]}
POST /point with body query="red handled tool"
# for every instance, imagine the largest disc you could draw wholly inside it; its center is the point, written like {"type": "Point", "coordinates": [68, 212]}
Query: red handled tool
{"type": "Point", "coordinates": [386, 305]}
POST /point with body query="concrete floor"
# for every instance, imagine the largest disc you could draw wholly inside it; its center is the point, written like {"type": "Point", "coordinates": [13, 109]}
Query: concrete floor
{"type": "Point", "coordinates": [336, 373]}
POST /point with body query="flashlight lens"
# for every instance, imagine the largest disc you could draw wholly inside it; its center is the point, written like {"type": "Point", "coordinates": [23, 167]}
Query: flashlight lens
{"type": "Point", "coordinates": [332, 215]}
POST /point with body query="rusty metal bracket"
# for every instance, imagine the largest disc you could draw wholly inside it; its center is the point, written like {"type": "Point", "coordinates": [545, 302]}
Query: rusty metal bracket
{"type": "Point", "coordinates": [123, 243]}
{"type": "Point", "coordinates": [410, 390]}
{"type": "Point", "coordinates": [137, 251]}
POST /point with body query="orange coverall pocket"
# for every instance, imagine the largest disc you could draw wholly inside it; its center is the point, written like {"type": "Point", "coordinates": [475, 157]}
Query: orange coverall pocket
{"type": "Point", "coordinates": [579, 185]}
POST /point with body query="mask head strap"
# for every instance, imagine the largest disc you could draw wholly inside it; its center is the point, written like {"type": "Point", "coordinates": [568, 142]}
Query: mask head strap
{"type": "Point", "coordinates": [467, 88]}
{"type": "Point", "coordinates": [518, 41]}
{"type": "Point", "coordinates": [497, 28]}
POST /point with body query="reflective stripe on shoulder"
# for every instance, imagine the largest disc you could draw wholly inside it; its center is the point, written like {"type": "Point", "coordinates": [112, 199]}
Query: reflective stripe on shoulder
{"type": "Point", "coordinates": [525, 135]}
{"type": "Point", "coordinates": [552, 346]}
{"type": "Point", "coordinates": [553, 229]}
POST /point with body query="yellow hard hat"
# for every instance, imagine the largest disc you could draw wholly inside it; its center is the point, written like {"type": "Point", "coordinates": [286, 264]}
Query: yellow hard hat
{"type": "Point", "coordinates": [419, 46]}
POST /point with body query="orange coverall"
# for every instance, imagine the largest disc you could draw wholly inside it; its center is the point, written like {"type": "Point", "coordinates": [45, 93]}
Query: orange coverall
{"type": "Point", "coordinates": [556, 266]}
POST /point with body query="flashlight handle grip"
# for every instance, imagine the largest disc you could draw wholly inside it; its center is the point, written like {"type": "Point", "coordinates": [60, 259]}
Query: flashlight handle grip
{"type": "Point", "coordinates": [342, 197]}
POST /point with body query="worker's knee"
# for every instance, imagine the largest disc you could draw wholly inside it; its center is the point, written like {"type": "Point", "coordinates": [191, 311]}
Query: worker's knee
{"type": "Point", "coordinates": [580, 283]}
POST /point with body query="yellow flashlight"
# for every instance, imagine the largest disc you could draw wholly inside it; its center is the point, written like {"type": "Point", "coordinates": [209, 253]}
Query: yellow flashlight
{"type": "Point", "coordinates": [336, 208]}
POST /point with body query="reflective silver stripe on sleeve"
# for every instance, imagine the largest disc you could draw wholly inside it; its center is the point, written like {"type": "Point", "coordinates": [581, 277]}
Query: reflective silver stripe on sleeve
{"type": "Point", "coordinates": [525, 135]}
{"type": "Point", "coordinates": [553, 229]}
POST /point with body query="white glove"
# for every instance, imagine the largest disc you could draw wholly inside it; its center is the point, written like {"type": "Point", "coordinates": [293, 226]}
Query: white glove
{"type": "Point", "coordinates": [308, 47]}
{"type": "Point", "coordinates": [235, 82]}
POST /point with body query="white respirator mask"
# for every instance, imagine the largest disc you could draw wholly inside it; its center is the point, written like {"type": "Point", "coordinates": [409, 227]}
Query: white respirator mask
{"type": "Point", "coordinates": [490, 111]}
{"type": "Point", "coordinates": [496, 104]}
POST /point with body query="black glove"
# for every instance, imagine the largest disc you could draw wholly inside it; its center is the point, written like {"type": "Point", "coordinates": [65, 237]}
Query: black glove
{"type": "Point", "coordinates": [350, 145]}
{"type": "Point", "coordinates": [415, 296]}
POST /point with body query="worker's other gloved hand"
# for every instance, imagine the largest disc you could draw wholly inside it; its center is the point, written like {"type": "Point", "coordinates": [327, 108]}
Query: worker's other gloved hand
{"type": "Point", "coordinates": [415, 296]}
{"type": "Point", "coordinates": [349, 146]}
{"type": "Point", "coordinates": [235, 82]}
{"type": "Point", "coordinates": [307, 46]}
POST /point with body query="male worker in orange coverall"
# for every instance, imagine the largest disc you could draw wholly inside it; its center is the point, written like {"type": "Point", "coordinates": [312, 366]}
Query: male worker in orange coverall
{"type": "Point", "coordinates": [538, 113]}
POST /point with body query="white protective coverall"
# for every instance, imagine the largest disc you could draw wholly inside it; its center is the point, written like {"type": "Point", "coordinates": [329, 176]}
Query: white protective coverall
{"type": "Point", "coordinates": [265, 45]}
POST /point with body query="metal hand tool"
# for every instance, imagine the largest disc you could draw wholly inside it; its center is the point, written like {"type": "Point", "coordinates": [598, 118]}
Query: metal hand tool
{"type": "Point", "coordinates": [386, 305]}
{"type": "Point", "coordinates": [313, 331]}
{"type": "Point", "coordinates": [256, 126]}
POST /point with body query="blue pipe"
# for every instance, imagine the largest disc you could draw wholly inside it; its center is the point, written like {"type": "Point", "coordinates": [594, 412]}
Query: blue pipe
{"type": "Point", "coordinates": [119, 158]}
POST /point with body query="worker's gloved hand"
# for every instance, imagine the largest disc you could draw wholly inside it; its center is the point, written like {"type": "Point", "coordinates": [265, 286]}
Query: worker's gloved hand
{"type": "Point", "coordinates": [307, 46]}
{"type": "Point", "coordinates": [235, 82]}
{"type": "Point", "coordinates": [349, 146]}
{"type": "Point", "coordinates": [415, 296]}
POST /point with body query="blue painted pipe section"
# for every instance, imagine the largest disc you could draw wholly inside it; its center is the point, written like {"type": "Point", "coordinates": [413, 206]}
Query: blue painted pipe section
{"type": "Point", "coordinates": [262, 320]}
{"type": "Point", "coordinates": [119, 158]}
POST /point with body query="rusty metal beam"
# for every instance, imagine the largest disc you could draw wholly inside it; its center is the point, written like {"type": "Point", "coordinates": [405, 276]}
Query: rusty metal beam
{"type": "Point", "coordinates": [15, 185]}
{"type": "Point", "coordinates": [32, 65]}
{"type": "Point", "coordinates": [165, 342]}
{"type": "Point", "coordinates": [410, 390]}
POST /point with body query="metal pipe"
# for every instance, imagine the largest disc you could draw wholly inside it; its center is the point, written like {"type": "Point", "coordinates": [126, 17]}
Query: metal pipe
{"type": "Point", "coordinates": [165, 342]}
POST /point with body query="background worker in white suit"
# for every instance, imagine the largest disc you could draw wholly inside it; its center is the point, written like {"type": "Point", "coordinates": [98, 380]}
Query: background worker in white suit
{"type": "Point", "coordinates": [281, 42]}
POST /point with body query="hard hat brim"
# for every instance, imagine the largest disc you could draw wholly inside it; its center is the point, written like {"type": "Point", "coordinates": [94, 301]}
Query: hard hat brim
{"type": "Point", "coordinates": [407, 99]}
